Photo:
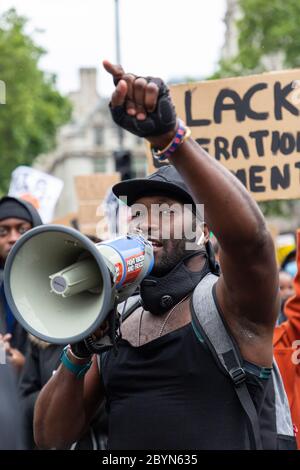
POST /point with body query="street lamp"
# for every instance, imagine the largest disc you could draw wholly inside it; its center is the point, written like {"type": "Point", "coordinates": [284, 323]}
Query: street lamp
{"type": "Point", "coordinates": [118, 60]}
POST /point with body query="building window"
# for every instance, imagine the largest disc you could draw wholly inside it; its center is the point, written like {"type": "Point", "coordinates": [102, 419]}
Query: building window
{"type": "Point", "coordinates": [100, 165]}
{"type": "Point", "coordinates": [98, 135]}
{"type": "Point", "coordinates": [140, 167]}
{"type": "Point", "coordinates": [139, 141]}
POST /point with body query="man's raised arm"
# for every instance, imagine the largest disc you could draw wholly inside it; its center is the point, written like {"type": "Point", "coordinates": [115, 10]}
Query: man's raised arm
{"type": "Point", "coordinates": [248, 288]}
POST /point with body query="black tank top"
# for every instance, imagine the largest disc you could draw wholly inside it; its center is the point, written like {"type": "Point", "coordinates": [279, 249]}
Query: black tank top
{"type": "Point", "coordinates": [170, 394]}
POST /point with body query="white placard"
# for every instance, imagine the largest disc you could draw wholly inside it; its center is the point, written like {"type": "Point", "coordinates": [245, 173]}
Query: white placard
{"type": "Point", "coordinates": [41, 189]}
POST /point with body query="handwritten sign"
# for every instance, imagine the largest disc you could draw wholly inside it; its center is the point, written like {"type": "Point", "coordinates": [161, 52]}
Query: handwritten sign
{"type": "Point", "coordinates": [251, 125]}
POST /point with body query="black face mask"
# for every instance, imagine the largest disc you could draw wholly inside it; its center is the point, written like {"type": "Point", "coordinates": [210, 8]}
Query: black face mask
{"type": "Point", "coordinates": [159, 294]}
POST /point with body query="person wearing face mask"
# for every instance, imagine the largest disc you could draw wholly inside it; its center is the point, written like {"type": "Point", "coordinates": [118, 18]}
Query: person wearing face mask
{"type": "Point", "coordinates": [164, 389]}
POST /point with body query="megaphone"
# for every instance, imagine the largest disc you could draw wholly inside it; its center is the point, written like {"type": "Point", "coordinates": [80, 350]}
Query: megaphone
{"type": "Point", "coordinates": [61, 286]}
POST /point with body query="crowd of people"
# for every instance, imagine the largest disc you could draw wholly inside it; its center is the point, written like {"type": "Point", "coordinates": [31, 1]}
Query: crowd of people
{"type": "Point", "coordinates": [196, 361]}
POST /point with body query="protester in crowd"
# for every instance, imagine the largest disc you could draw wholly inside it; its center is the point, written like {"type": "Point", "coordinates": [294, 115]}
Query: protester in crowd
{"type": "Point", "coordinates": [289, 264]}
{"type": "Point", "coordinates": [286, 290]}
{"type": "Point", "coordinates": [286, 342]}
{"type": "Point", "coordinates": [16, 218]}
{"type": "Point", "coordinates": [164, 389]}
{"type": "Point", "coordinates": [11, 429]}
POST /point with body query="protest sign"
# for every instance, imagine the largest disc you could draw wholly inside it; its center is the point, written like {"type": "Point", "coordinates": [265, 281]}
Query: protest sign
{"type": "Point", "coordinates": [251, 125]}
{"type": "Point", "coordinates": [91, 191]}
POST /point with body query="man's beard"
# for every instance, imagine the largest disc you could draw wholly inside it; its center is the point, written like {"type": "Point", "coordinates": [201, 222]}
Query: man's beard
{"type": "Point", "coordinates": [172, 252]}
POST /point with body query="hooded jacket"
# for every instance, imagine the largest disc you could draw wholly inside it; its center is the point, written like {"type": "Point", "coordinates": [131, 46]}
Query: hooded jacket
{"type": "Point", "coordinates": [19, 336]}
{"type": "Point", "coordinates": [11, 429]}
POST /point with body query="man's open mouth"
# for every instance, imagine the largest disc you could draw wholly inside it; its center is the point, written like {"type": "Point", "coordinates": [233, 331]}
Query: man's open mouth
{"type": "Point", "coordinates": [155, 243]}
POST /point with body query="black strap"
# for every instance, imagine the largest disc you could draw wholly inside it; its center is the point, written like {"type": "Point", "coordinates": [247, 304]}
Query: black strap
{"type": "Point", "coordinates": [233, 367]}
{"type": "Point", "coordinates": [238, 377]}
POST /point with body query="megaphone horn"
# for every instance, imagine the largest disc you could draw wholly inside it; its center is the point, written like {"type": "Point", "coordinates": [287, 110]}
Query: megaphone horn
{"type": "Point", "coordinates": [61, 286]}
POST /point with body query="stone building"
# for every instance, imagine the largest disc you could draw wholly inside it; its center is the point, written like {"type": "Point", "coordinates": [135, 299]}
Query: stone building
{"type": "Point", "coordinates": [232, 15]}
{"type": "Point", "coordinates": [87, 143]}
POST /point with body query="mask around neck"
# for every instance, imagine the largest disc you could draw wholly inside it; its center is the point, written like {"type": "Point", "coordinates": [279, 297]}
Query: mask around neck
{"type": "Point", "coordinates": [160, 294]}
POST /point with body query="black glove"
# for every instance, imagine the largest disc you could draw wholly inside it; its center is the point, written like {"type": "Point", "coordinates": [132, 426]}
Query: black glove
{"type": "Point", "coordinates": [158, 122]}
{"type": "Point", "coordinates": [81, 350]}
{"type": "Point", "coordinates": [90, 345]}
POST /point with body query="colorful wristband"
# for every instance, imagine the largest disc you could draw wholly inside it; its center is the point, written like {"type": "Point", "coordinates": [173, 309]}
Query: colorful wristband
{"type": "Point", "coordinates": [79, 370]}
{"type": "Point", "coordinates": [181, 135]}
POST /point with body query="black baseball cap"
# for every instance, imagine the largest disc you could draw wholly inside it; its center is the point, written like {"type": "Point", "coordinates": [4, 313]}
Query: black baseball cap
{"type": "Point", "coordinates": [166, 181]}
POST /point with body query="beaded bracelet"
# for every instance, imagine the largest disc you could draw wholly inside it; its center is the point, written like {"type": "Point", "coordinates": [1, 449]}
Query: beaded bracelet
{"type": "Point", "coordinates": [182, 134]}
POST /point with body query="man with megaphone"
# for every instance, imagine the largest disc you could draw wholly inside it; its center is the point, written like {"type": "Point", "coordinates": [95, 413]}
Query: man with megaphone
{"type": "Point", "coordinates": [163, 387]}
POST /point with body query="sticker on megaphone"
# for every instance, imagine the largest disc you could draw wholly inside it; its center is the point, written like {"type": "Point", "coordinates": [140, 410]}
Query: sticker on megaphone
{"type": "Point", "coordinates": [126, 257]}
{"type": "Point", "coordinates": [131, 253]}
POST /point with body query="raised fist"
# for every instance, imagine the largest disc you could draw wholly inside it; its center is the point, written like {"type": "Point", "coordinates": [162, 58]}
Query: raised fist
{"type": "Point", "coordinates": [140, 105]}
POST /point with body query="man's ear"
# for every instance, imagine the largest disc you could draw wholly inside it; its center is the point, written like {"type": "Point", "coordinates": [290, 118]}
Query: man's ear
{"type": "Point", "coordinates": [202, 233]}
{"type": "Point", "coordinates": [206, 232]}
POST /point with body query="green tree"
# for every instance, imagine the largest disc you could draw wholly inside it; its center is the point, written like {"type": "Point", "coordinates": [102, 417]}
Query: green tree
{"type": "Point", "coordinates": [269, 27]}
{"type": "Point", "coordinates": [34, 109]}
{"type": "Point", "coordinates": [265, 28]}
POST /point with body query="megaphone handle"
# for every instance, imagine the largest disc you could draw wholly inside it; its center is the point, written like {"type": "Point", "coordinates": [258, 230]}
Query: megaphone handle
{"type": "Point", "coordinates": [108, 341]}
{"type": "Point", "coordinates": [97, 347]}
{"type": "Point", "coordinates": [80, 350]}
{"type": "Point", "coordinates": [88, 346]}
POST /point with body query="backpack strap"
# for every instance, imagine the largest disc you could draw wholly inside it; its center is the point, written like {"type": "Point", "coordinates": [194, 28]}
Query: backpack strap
{"type": "Point", "coordinates": [210, 328]}
{"type": "Point", "coordinates": [129, 306]}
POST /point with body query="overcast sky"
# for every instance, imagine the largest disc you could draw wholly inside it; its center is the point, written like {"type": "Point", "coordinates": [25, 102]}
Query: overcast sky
{"type": "Point", "coordinates": [166, 38]}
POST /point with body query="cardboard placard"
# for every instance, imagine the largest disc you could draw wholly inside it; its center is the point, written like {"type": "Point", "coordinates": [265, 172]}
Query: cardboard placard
{"type": "Point", "coordinates": [91, 191]}
{"type": "Point", "coordinates": [38, 188]}
{"type": "Point", "coordinates": [251, 125]}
